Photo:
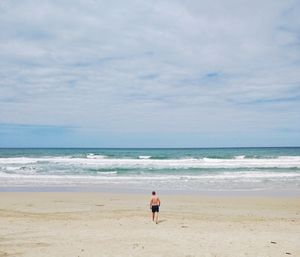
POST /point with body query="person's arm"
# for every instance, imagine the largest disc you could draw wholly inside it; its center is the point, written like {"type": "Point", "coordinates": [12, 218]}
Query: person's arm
{"type": "Point", "coordinates": [158, 201]}
{"type": "Point", "coordinates": [151, 203]}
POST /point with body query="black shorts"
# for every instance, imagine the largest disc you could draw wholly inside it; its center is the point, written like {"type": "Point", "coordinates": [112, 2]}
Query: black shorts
{"type": "Point", "coordinates": [155, 208]}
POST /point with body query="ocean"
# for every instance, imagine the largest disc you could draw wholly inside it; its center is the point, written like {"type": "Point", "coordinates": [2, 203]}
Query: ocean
{"type": "Point", "coordinates": [173, 170]}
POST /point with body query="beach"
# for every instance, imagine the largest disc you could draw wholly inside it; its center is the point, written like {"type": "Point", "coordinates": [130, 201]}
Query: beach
{"type": "Point", "coordinates": [103, 104]}
{"type": "Point", "coordinates": [113, 224]}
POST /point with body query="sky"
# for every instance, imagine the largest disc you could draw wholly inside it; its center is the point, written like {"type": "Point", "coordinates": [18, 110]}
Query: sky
{"type": "Point", "coordinates": [168, 73]}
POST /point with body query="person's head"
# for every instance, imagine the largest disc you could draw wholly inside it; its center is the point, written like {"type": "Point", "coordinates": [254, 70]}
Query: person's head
{"type": "Point", "coordinates": [153, 193]}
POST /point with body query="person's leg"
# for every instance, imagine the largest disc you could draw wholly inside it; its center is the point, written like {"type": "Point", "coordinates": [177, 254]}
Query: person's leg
{"type": "Point", "coordinates": [153, 214]}
{"type": "Point", "coordinates": [156, 220]}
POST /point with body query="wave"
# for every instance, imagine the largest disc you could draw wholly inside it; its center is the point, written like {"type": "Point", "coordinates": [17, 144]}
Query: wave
{"type": "Point", "coordinates": [239, 157]}
{"type": "Point", "coordinates": [206, 163]}
{"type": "Point", "coordinates": [95, 156]}
{"type": "Point", "coordinates": [18, 160]}
{"type": "Point", "coordinates": [106, 175]}
{"type": "Point", "coordinates": [233, 181]}
{"type": "Point", "coordinates": [145, 156]}
{"type": "Point", "coordinates": [218, 182]}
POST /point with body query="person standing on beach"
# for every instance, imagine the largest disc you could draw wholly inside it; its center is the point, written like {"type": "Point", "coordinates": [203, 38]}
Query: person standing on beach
{"type": "Point", "coordinates": [154, 206]}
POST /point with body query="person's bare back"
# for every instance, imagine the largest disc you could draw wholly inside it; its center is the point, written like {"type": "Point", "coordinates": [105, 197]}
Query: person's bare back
{"type": "Point", "coordinates": [154, 200]}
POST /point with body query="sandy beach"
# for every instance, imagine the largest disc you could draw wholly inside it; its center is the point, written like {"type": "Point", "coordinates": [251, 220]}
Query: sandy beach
{"type": "Point", "coordinates": [107, 224]}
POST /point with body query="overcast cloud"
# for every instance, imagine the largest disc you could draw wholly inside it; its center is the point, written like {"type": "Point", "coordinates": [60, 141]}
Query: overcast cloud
{"type": "Point", "coordinates": [132, 73]}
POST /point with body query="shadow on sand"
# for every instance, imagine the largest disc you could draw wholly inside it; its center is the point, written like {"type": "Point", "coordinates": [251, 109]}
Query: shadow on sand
{"type": "Point", "coordinates": [161, 221]}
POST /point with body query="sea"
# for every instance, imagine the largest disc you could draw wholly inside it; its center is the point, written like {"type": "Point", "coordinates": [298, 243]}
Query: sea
{"type": "Point", "coordinates": [275, 169]}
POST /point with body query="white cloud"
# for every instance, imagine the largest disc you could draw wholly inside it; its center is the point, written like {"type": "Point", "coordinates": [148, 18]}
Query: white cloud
{"type": "Point", "coordinates": [143, 66]}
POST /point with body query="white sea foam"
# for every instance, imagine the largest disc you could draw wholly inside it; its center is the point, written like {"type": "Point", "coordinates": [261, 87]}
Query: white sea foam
{"type": "Point", "coordinates": [223, 181]}
{"type": "Point", "coordinates": [239, 157]}
{"type": "Point", "coordinates": [18, 160]}
{"type": "Point", "coordinates": [101, 162]}
{"type": "Point", "coordinates": [93, 156]}
{"type": "Point", "coordinates": [9, 168]}
{"type": "Point", "coordinates": [107, 173]}
{"type": "Point", "coordinates": [235, 173]}
{"type": "Point", "coordinates": [145, 156]}
{"type": "Point", "coordinates": [167, 177]}
{"type": "Point", "coordinates": [289, 157]}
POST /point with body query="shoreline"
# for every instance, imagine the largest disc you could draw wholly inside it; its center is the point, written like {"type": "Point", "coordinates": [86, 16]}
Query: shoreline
{"type": "Point", "coordinates": [138, 191]}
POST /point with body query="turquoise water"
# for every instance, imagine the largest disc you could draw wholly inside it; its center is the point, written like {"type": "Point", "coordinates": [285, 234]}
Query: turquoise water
{"type": "Point", "coordinates": [172, 153]}
{"type": "Point", "coordinates": [214, 169]}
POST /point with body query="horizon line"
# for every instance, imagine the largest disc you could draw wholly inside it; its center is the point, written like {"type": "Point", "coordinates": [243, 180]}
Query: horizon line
{"type": "Point", "coordinates": [217, 147]}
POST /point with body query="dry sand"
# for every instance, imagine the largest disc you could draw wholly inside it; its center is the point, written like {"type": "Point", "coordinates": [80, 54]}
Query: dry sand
{"type": "Point", "coordinates": [98, 224]}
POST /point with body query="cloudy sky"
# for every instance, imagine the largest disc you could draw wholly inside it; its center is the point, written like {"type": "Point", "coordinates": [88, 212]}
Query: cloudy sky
{"type": "Point", "coordinates": [167, 73]}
